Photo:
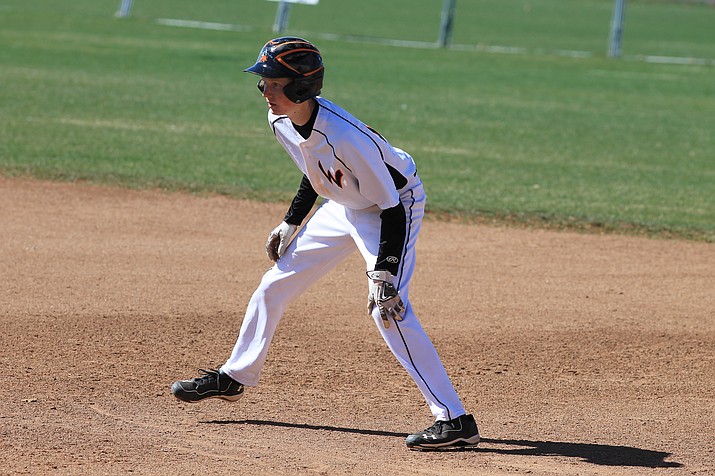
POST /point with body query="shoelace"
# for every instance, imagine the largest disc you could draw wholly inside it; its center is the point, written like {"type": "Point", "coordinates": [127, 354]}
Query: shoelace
{"type": "Point", "coordinates": [436, 428]}
{"type": "Point", "coordinates": [208, 376]}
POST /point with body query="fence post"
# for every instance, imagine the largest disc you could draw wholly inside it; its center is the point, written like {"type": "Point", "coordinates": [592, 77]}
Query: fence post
{"type": "Point", "coordinates": [125, 9]}
{"type": "Point", "coordinates": [619, 11]}
{"type": "Point", "coordinates": [281, 22]}
{"type": "Point", "coordinates": [445, 29]}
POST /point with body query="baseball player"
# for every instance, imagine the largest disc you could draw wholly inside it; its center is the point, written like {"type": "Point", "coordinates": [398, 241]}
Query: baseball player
{"type": "Point", "coordinates": [373, 202]}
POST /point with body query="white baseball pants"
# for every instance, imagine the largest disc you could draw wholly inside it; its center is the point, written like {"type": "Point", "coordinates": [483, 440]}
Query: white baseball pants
{"type": "Point", "coordinates": [328, 237]}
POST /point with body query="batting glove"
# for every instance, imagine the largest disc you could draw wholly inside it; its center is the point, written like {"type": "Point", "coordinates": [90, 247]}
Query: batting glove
{"type": "Point", "coordinates": [279, 239]}
{"type": "Point", "coordinates": [384, 295]}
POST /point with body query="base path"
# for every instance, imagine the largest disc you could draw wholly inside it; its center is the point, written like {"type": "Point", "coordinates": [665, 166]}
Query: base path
{"type": "Point", "coordinates": [579, 354]}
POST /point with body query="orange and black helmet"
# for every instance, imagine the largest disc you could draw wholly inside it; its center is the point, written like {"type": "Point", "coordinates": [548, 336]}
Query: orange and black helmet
{"type": "Point", "coordinates": [294, 58]}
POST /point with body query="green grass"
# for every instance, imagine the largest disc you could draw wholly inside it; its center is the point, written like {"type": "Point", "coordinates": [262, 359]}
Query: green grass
{"type": "Point", "coordinates": [536, 138]}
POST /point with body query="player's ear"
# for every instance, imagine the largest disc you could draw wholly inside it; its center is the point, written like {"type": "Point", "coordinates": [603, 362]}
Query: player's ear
{"type": "Point", "coordinates": [261, 85]}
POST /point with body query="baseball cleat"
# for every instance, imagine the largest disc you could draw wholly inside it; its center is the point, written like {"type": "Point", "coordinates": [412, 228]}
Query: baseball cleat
{"type": "Point", "coordinates": [212, 384]}
{"type": "Point", "coordinates": [461, 432]}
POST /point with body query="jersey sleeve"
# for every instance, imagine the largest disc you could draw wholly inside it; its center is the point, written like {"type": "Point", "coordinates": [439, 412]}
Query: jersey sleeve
{"type": "Point", "coordinates": [380, 182]}
{"type": "Point", "coordinates": [368, 163]}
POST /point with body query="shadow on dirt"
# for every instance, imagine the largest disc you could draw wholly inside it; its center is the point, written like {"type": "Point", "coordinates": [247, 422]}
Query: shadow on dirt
{"type": "Point", "coordinates": [605, 455]}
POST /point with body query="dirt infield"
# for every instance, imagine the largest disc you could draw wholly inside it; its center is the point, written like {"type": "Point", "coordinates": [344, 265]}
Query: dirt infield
{"type": "Point", "coordinates": [578, 354]}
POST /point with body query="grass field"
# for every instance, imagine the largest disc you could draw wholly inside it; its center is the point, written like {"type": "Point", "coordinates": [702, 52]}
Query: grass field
{"type": "Point", "coordinates": [536, 137]}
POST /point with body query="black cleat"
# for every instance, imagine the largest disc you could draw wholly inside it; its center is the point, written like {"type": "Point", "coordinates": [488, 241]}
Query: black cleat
{"type": "Point", "coordinates": [461, 432]}
{"type": "Point", "coordinates": [212, 384]}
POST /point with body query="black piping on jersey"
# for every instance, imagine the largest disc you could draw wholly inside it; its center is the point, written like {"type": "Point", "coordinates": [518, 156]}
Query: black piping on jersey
{"type": "Point", "coordinates": [273, 124]}
{"type": "Point", "coordinates": [397, 178]}
{"type": "Point", "coordinates": [408, 234]}
{"type": "Point", "coordinates": [397, 323]}
{"type": "Point", "coordinates": [407, 238]}
{"type": "Point", "coordinates": [332, 148]}
{"type": "Point", "coordinates": [326, 140]}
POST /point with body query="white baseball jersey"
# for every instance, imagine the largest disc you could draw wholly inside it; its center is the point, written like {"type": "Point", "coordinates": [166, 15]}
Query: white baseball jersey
{"type": "Point", "coordinates": [355, 170]}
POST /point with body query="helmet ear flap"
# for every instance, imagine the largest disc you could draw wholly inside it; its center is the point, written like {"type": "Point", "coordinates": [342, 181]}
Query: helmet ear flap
{"type": "Point", "coordinates": [301, 89]}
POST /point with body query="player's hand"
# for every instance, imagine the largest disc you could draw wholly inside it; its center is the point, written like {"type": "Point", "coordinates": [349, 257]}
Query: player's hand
{"type": "Point", "coordinates": [384, 295]}
{"type": "Point", "coordinates": [279, 239]}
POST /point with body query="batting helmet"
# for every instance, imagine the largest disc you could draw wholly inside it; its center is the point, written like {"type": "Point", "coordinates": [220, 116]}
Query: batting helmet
{"type": "Point", "coordinates": [294, 58]}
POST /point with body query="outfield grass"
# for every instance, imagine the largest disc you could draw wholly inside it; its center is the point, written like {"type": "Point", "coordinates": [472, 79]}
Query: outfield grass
{"type": "Point", "coordinates": [536, 137]}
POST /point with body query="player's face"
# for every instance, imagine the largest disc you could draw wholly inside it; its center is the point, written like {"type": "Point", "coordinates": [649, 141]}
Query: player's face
{"type": "Point", "coordinates": [272, 89]}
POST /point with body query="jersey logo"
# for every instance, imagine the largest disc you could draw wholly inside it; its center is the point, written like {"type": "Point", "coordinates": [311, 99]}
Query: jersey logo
{"type": "Point", "coordinates": [337, 179]}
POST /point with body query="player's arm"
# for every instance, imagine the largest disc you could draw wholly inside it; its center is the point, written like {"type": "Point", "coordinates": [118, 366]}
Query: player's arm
{"type": "Point", "coordinates": [381, 184]}
{"type": "Point", "coordinates": [302, 203]}
{"type": "Point", "coordinates": [280, 237]}
{"type": "Point", "coordinates": [382, 292]}
{"type": "Point", "coordinates": [392, 239]}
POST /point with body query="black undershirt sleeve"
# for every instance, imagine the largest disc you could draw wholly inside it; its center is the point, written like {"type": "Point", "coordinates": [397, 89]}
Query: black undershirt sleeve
{"type": "Point", "coordinates": [392, 239]}
{"type": "Point", "coordinates": [302, 203]}
{"type": "Point", "coordinates": [306, 196]}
